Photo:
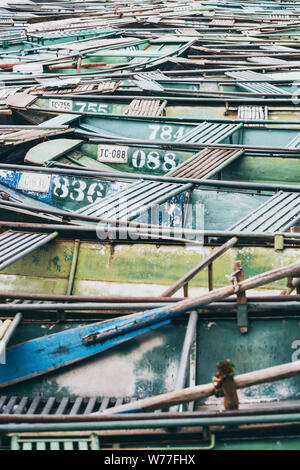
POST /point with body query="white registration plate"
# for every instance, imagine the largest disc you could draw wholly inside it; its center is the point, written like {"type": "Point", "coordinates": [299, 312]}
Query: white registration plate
{"type": "Point", "coordinates": [112, 153]}
{"type": "Point", "coordinates": [60, 105]}
{"type": "Point", "coordinates": [35, 182]}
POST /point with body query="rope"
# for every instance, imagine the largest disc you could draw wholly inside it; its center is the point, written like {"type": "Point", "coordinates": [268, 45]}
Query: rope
{"type": "Point", "coordinates": [224, 374]}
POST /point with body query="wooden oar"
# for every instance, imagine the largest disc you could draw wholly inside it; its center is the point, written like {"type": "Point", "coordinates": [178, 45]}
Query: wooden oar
{"type": "Point", "coordinates": [283, 371]}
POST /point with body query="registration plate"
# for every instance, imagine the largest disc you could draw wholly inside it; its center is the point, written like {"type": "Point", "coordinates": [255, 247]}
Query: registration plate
{"type": "Point", "coordinates": [35, 182]}
{"type": "Point", "coordinates": [60, 105]}
{"type": "Point", "coordinates": [112, 153]}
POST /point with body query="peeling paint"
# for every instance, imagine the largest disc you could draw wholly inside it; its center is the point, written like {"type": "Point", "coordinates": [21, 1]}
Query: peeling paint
{"type": "Point", "coordinates": [110, 374]}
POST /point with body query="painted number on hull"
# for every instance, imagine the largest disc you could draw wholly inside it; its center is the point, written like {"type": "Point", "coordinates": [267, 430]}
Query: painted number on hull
{"type": "Point", "coordinates": [84, 107]}
{"type": "Point", "coordinates": [165, 132]}
{"type": "Point", "coordinates": [153, 161]}
{"type": "Point", "coordinates": [296, 354]}
{"type": "Point", "coordinates": [77, 190]}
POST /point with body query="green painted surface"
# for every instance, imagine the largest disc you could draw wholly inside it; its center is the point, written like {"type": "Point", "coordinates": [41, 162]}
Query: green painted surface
{"type": "Point", "coordinates": [280, 443]}
{"type": "Point", "coordinates": [264, 169]}
{"type": "Point", "coordinates": [47, 269]}
{"type": "Point", "coordinates": [269, 342]}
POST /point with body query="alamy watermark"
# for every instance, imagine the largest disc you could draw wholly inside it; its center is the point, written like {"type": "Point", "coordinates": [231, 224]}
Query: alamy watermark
{"type": "Point", "coordinates": [169, 221]}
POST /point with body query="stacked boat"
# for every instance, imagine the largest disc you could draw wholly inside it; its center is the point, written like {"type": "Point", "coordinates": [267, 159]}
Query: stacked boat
{"type": "Point", "coordinates": [150, 225]}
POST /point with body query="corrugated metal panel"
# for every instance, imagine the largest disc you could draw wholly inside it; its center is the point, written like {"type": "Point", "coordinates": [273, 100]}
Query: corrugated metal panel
{"type": "Point", "coordinates": [135, 200]}
{"type": "Point", "coordinates": [277, 214]}
{"type": "Point", "coordinates": [206, 163]}
{"type": "Point", "coordinates": [145, 107]}
{"type": "Point", "coordinates": [15, 245]}
{"type": "Point", "coordinates": [209, 133]}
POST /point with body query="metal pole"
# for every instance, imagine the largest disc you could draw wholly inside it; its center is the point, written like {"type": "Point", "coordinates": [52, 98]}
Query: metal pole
{"type": "Point", "coordinates": [4, 341]}
{"type": "Point", "coordinates": [192, 273]}
{"type": "Point", "coordinates": [151, 423]}
{"type": "Point", "coordinates": [185, 354]}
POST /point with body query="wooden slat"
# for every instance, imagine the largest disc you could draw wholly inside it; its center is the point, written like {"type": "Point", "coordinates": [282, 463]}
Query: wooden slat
{"type": "Point", "coordinates": [206, 163]}
{"type": "Point", "coordinates": [276, 214]}
{"type": "Point", "coordinates": [144, 107]}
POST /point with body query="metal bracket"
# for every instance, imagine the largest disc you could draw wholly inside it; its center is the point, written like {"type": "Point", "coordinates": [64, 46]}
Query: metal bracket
{"type": "Point", "coordinates": [241, 298]}
{"type": "Point", "coordinates": [279, 242]}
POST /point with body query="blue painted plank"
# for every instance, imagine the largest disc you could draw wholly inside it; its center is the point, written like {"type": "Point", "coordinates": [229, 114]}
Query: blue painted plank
{"type": "Point", "coordinates": [48, 353]}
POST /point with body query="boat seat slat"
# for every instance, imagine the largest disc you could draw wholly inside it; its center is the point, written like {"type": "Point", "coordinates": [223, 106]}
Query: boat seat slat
{"type": "Point", "coordinates": [209, 133]}
{"type": "Point", "coordinates": [83, 445]}
{"type": "Point", "coordinates": [20, 408]}
{"type": "Point", "coordinates": [144, 107]}
{"type": "Point", "coordinates": [9, 408]}
{"type": "Point", "coordinates": [134, 200]}
{"type": "Point", "coordinates": [261, 88]}
{"type": "Point", "coordinates": [278, 213]}
{"type": "Point", "coordinates": [253, 113]}
{"type": "Point", "coordinates": [16, 245]}
{"type": "Point", "coordinates": [34, 405]}
{"type": "Point", "coordinates": [267, 210]}
{"type": "Point", "coordinates": [294, 143]}
{"type": "Point", "coordinates": [48, 406]}
{"type": "Point", "coordinates": [260, 212]}
{"type": "Point", "coordinates": [27, 446]}
{"type": "Point", "coordinates": [76, 406]}
{"type": "Point", "coordinates": [54, 445]}
{"type": "Point", "coordinates": [248, 75]}
{"type": "Point", "coordinates": [62, 406]}
{"type": "Point", "coordinates": [2, 402]}
{"type": "Point", "coordinates": [104, 403]}
{"type": "Point", "coordinates": [206, 163]}
{"type": "Point", "coordinates": [90, 406]}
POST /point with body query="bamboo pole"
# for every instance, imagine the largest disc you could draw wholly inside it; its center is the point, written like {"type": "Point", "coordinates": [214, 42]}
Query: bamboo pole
{"type": "Point", "coordinates": [283, 371]}
{"type": "Point", "coordinates": [192, 273]}
{"type": "Point", "coordinates": [165, 313]}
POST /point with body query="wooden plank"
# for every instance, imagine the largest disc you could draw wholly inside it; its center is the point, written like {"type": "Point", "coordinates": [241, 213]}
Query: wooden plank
{"type": "Point", "coordinates": [20, 100]}
{"type": "Point", "coordinates": [269, 374]}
